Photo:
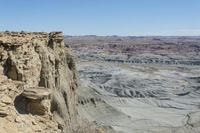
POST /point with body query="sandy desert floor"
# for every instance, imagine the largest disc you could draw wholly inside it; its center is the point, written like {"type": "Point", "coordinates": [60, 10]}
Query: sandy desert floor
{"type": "Point", "coordinates": [139, 97]}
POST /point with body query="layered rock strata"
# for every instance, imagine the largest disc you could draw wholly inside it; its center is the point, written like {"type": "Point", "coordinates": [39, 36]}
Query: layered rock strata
{"type": "Point", "coordinates": [37, 83]}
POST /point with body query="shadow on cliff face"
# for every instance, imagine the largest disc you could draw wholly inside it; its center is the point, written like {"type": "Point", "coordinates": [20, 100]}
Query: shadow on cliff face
{"type": "Point", "coordinates": [27, 106]}
{"type": "Point", "coordinates": [20, 104]}
{"type": "Point", "coordinates": [11, 71]}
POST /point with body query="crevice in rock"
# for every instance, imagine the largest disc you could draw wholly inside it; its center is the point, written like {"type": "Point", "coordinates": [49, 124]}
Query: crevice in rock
{"type": "Point", "coordinates": [11, 71]}
{"type": "Point", "coordinates": [71, 64]}
{"type": "Point", "coordinates": [66, 101]}
{"type": "Point", "coordinates": [20, 104]}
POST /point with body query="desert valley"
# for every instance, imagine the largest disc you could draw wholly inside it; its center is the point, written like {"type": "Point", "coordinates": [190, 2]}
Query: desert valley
{"type": "Point", "coordinates": [139, 84]}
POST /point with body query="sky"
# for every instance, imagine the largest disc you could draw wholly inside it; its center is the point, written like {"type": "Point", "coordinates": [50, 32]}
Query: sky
{"type": "Point", "coordinates": [102, 17]}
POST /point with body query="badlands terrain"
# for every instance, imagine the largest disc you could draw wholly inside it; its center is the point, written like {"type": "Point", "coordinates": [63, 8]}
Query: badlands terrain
{"type": "Point", "coordinates": [139, 84]}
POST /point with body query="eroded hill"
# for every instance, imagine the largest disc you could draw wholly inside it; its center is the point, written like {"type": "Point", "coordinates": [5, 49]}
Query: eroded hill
{"type": "Point", "coordinates": [139, 84]}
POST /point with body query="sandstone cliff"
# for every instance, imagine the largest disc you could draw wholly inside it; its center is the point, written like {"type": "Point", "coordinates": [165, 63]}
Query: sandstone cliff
{"type": "Point", "coordinates": [37, 83]}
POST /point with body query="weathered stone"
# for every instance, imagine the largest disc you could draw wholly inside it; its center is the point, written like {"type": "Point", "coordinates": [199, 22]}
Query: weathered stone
{"type": "Point", "coordinates": [18, 119]}
{"type": "Point", "coordinates": [36, 93]}
{"type": "Point", "coordinates": [6, 99]}
{"type": "Point", "coordinates": [35, 107]}
{"type": "Point", "coordinates": [2, 104]}
{"type": "Point", "coordinates": [3, 111]}
{"type": "Point", "coordinates": [37, 61]}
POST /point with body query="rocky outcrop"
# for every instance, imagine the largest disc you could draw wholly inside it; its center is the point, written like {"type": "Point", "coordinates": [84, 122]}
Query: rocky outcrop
{"type": "Point", "coordinates": [37, 82]}
{"type": "Point", "coordinates": [36, 93]}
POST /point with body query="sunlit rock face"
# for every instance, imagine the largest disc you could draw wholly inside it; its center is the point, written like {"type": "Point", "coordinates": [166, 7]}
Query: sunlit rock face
{"type": "Point", "coordinates": [37, 83]}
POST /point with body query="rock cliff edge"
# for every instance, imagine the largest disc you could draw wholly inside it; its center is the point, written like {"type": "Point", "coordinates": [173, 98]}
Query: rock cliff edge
{"type": "Point", "coordinates": [37, 83]}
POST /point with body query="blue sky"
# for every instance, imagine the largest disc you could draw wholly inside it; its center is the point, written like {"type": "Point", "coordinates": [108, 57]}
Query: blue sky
{"type": "Point", "coordinates": [102, 17]}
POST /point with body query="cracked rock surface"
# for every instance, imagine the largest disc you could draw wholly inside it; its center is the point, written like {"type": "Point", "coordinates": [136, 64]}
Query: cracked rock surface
{"type": "Point", "coordinates": [37, 83]}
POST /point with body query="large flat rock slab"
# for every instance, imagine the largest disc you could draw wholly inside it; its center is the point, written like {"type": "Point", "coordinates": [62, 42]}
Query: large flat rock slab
{"type": "Point", "coordinates": [36, 93]}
